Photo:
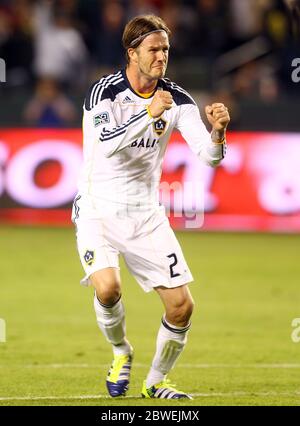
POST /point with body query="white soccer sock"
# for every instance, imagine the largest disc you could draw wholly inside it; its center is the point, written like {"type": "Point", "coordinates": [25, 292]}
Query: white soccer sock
{"type": "Point", "coordinates": [111, 321]}
{"type": "Point", "coordinates": [169, 345]}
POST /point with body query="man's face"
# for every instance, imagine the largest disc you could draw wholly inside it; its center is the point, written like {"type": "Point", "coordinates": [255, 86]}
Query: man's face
{"type": "Point", "coordinates": [152, 55]}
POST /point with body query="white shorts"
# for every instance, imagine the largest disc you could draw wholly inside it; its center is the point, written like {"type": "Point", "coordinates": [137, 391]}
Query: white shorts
{"type": "Point", "coordinates": [147, 243]}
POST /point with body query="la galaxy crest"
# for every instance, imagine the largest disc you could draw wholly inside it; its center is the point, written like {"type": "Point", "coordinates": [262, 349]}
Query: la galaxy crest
{"type": "Point", "coordinates": [89, 257]}
{"type": "Point", "coordinates": [160, 126]}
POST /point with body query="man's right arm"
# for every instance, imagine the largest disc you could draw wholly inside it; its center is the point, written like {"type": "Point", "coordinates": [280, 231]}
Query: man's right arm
{"type": "Point", "coordinates": [113, 137]}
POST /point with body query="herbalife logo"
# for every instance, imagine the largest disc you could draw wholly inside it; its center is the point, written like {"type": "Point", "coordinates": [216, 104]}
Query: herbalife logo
{"type": "Point", "coordinates": [127, 100]}
{"type": "Point", "coordinates": [2, 71]}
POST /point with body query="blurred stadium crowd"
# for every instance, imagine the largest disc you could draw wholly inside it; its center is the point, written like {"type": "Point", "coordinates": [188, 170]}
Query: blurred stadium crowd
{"type": "Point", "coordinates": [235, 50]}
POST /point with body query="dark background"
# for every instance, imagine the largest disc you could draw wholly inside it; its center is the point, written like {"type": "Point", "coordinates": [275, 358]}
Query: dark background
{"type": "Point", "coordinates": [235, 51]}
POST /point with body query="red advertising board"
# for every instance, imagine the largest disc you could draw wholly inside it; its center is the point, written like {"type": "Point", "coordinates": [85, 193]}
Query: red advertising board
{"type": "Point", "coordinates": [256, 188]}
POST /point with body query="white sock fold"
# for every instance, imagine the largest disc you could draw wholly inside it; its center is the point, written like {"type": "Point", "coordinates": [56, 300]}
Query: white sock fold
{"type": "Point", "coordinates": [111, 321]}
{"type": "Point", "coordinates": [170, 342]}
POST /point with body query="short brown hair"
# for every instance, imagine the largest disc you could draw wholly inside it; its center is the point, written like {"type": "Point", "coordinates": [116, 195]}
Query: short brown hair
{"type": "Point", "coordinates": [139, 26]}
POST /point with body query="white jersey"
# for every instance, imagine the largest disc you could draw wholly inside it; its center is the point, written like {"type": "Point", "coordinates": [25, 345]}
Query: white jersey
{"type": "Point", "coordinates": [124, 147]}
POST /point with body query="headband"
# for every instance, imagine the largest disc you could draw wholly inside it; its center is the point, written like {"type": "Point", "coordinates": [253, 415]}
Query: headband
{"type": "Point", "coordinates": [141, 37]}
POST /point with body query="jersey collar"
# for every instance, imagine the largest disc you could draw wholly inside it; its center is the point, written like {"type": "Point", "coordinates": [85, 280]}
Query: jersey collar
{"type": "Point", "coordinates": [140, 95]}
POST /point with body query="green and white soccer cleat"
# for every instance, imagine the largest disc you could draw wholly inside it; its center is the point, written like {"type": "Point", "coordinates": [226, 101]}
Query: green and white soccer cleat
{"type": "Point", "coordinates": [118, 378]}
{"type": "Point", "coordinates": [164, 390]}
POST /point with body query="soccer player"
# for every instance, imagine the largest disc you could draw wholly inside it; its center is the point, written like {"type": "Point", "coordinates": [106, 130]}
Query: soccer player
{"type": "Point", "coordinates": [128, 119]}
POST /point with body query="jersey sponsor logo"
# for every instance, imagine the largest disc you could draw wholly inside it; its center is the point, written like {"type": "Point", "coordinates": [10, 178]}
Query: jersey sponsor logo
{"type": "Point", "coordinates": [160, 126]}
{"type": "Point", "coordinates": [127, 100]}
{"type": "Point", "coordinates": [102, 118]}
{"type": "Point", "coordinates": [144, 143]}
{"type": "Point", "coordinates": [89, 257]}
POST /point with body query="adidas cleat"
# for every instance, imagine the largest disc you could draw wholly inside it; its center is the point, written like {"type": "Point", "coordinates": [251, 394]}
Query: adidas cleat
{"type": "Point", "coordinates": [117, 381]}
{"type": "Point", "coordinates": [163, 390]}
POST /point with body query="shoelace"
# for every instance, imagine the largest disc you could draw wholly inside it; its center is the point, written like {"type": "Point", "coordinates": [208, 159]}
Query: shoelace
{"type": "Point", "coordinates": [167, 384]}
{"type": "Point", "coordinates": [116, 366]}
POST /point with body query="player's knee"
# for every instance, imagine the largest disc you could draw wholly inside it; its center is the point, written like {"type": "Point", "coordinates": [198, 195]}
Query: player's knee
{"type": "Point", "coordinates": [108, 296]}
{"type": "Point", "coordinates": [108, 288]}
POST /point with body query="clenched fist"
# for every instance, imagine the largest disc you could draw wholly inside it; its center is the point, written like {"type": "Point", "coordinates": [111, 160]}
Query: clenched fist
{"type": "Point", "coordinates": [218, 116]}
{"type": "Point", "coordinates": [161, 101]}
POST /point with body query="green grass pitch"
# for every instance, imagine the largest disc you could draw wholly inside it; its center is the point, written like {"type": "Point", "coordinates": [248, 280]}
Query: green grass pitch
{"type": "Point", "coordinates": [239, 352]}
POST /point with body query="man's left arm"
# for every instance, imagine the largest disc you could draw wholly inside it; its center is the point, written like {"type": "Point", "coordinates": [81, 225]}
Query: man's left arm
{"type": "Point", "coordinates": [210, 147]}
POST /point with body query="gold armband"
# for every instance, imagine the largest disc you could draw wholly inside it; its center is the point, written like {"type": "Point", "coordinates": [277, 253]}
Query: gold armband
{"type": "Point", "coordinates": [218, 138]}
{"type": "Point", "coordinates": [221, 141]}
